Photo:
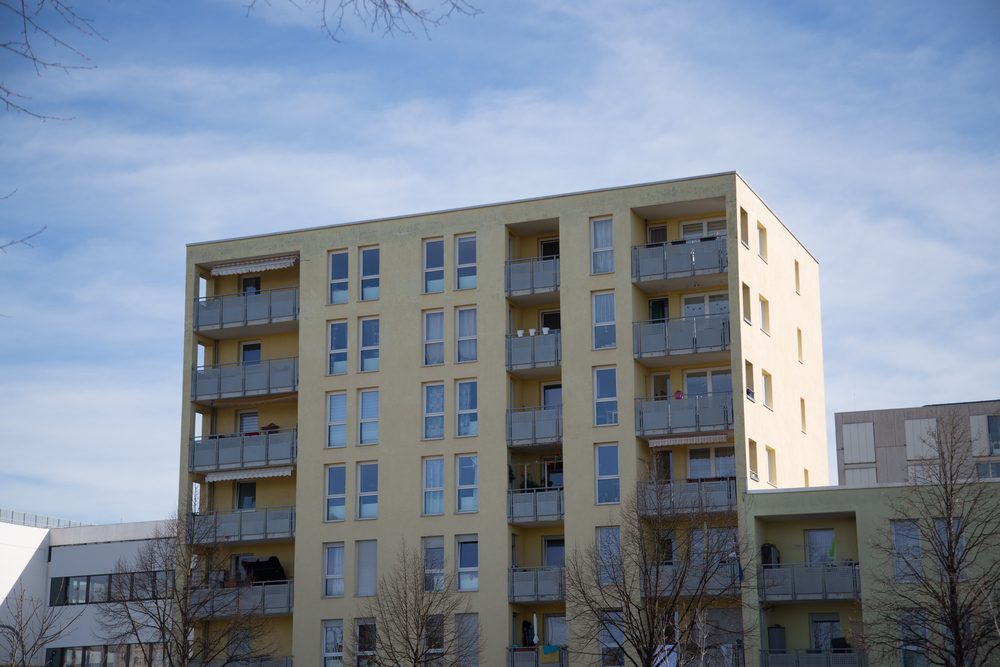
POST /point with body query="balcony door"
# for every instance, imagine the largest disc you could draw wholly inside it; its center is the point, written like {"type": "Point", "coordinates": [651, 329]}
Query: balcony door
{"type": "Point", "coordinates": [246, 496]}
{"type": "Point", "coordinates": [551, 395]}
{"type": "Point", "coordinates": [701, 383]}
{"type": "Point", "coordinates": [549, 319]}
{"type": "Point", "coordinates": [706, 304]}
{"type": "Point", "coordinates": [548, 248]}
{"type": "Point", "coordinates": [554, 552]}
{"type": "Point", "coordinates": [250, 353]}
{"type": "Point", "coordinates": [250, 285]}
{"type": "Point", "coordinates": [820, 547]}
{"type": "Point", "coordinates": [823, 628]}
{"type": "Point", "coordinates": [659, 309]}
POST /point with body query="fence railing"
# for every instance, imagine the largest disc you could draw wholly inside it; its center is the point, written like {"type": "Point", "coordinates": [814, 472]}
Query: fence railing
{"type": "Point", "coordinates": [534, 505]}
{"type": "Point", "coordinates": [242, 450]}
{"type": "Point", "coordinates": [676, 497]}
{"type": "Point", "coordinates": [537, 584]}
{"type": "Point", "coordinates": [684, 335]}
{"type": "Point", "coordinates": [686, 414]}
{"type": "Point", "coordinates": [273, 376]}
{"type": "Point", "coordinates": [834, 658]}
{"type": "Point", "coordinates": [534, 426]}
{"type": "Point", "coordinates": [242, 526]}
{"type": "Point", "coordinates": [267, 598]}
{"type": "Point", "coordinates": [541, 350]}
{"type": "Point", "coordinates": [695, 579]}
{"type": "Point", "coordinates": [659, 261]}
{"type": "Point", "coordinates": [531, 276]}
{"type": "Point", "coordinates": [809, 582]}
{"type": "Point", "coordinates": [237, 310]}
{"type": "Point", "coordinates": [536, 656]}
{"type": "Point", "coordinates": [36, 520]}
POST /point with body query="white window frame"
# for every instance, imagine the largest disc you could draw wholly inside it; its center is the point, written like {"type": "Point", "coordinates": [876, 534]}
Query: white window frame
{"type": "Point", "coordinates": [333, 654]}
{"type": "Point", "coordinates": [710, 374]}
{"type": "Point", "coordinates": [330, 580]}
{"type": "Point", "coordinates": [474, 486]}
{"type": "Point", "coordinates": [603, 324]}
{"type": "Point", "coordinates": [425, 433]}
{"type": "Point", "coordinates": [595, 249]}
{"type": "Point", "coordinates": [706, 300]}
{"type": "Point", "coordinates": [608, 564]}
{"type": "Point", "coordinates": [463, 572]}
{"type": "Point", "coordinates": [466, 337]}
{"type": "Point", "coordinates": [432, 272]}
{"type": "Point", "coordinates": [765, 313]}
{"type": "Point", "coordinates": [330, 495]}
{"type": "Point", "coordinates": [362, 348]}
{"type": "Point", "coordinates": [744, 228]}
{"type": "Point", "coordinates": [373, 584]}
{"type": "Point", "coordinates": [367, 419]}
{"type": "Point", "coordinates": [331, 423]}
{"type": "Point", "coordinates": [429, 342]}
{"type": "Point", "coordinates": [427, 489]}
{"type": "Point", "coordinates": [605, 476]}
{"type": "Point", "coordinates": [345, 280]}
{"type": "Point", "coordinates": [761, 241]}
{"type": "Point", "coordinates": [341, 352]}
{"type": "Point", "coordinates": [459, 265]}
{"type": "Point", "coordinates": [465, 411]}
{"type": "Point", "coordinates": [363, 495]}
{"type": "Point", "coordinates": [772, 465]}
{"type": "Point", "coordinates": [438, 582]}
{"type": "Point", "coordinates": [606, 399]}
{"type": "Point", "coordinates": [767, 385]}
{"type": "Point", "coordinates": [359, 654]}
{"type": "Point", "coordinates": [369, 278]}
{"type": "Point", "coordinates": [704, 230]}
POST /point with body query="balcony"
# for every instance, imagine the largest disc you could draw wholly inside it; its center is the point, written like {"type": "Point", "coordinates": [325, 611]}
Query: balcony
{"type": "Point", "coordinates": [532, 427]}
{"type": "Point", "coordinates": [532, 656]}
{"type": "Point", "coordinates": [535, 506]}
{"type": "Point", "coordinates": [272, 523]}
{"type": "Point", "coordinates": [535, 354]}
{"type": "Point", "coordinates": [537, 584]}
{"type": "Point", "coordinates": [242, 450]}
{"type": "Point", "coordinates": [835, 658]}
{"type": "Point", "coordinates": [231, 315]}
{"type": "Point", "coordinates": [532, 281]}
{"type": "Point", "coordinates": [268, 661]}
{"type": "Point", "coordinates": [687, 414]}
{"type": "Point", "coordinates": [792, 583]}
{"type": "Point", "coordinates": [695, 580]}
{"type": "Point", "coordinates": [271, 598]}
{"type": "Point", "coordinates": [660, 499]}
{"type": "Point", "coordinates": [704, 338]}
{"type": "Point", "coordinates": [239, 380]}
{"type": "Point", "coordinates": [659, 267]}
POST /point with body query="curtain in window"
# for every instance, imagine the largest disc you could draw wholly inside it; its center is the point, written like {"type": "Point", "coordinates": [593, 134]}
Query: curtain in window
{"type": "Point", "coordinates": [366, 567]}
{"type": "Point", "coordinates": [434, 479]}
{"type": "Point", "coordinates": [603, 257]}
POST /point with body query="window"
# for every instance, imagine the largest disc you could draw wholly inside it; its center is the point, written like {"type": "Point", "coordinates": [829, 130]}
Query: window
{"type": "Point", "coordinates": [468, 562]}
{"type": "Point", "coordinates": [248, 423]}
{"type": "Point", "coordinates": [605, 396]}
{"type": "Point", "coordinates": [365, 567]}
{"type": "Point", "coordinates": [433, 548]}
{"type": "Point", "coordinates": [950, 546]}
{"type": "Point", "coordinates": [467, 472]}
{"type": "Point", "coordinates": [433, 486]}
{"type": "Point", "coordinates": [338, 348]}
{"type": "Point", "coordinates": [744, 228]}
{"type": "Point", "coordinates": [433, 337]}
{"type": "Point", "coordinates": [765, 315]}
{"type": "Point", "coordinates": [336, 492]}
{"type": "Point", "coordinates": [706, 304]}
{"type": "Point", "coordinates": [366, 633]}
{"type": "Point", "coordinates": [603, 311]}
{"type": "Point", "coordinates": [693, 231]}
{"type": "Point", "coordinates": [606, 465]}
{"type": "Point", "coordinates": [338, 277]}
{"type": "Point", "coordinates": [805, 477]}
{"type": "Point", "coordinates": [608, 554]}
{"type": "Point", "coordinates": [466, 333]}
{"type": "Point", "coordinates": [802, 413]}
{"type": "Point", "coordinates": [820, 547]}
{"type": "Point", "coordinates": [433, 266]}
{"type": "Point", "coordinates": [465, 266]}
{"type": "Point", "coordinates": [913, 638]}
{"type": "Point", "coordinates": [746, 304]}
{"type": "Point", "coordinates": [468, 407]}
{"type": "Point", "coordinates": [798, 339]}
{"type": "Point", "coordinates": [993, 431]}
{"type": "Point", "coordinates": [772, 467]}
{"type": "Point", "coordinates": [748, 378]}
{"type": "Point", "coordinates": [433, 411]}
{"type": "Point", "coordinates": [246, 495]}
{"type": "Point", "coordinates": [467, 634]}
{"type": "Point", "coordinates": [612, 640]}
{"type": "Point", "coordinates": [702, 383]}
{"type": "Point", "coordinates": [762, 241]}
{"type": "Point", "coordinates": [333, 577]}
{"type": "Point", "coordinates": [368, 417]}
{"type": "Point", "coordinates": [602, 254]}
{"type": "Point", "coordinates": [752, 460]}
{"type": "Point", "coordinates": [250, 353]}
{"type": "Point", "coordinates": [336, 419]}
{"type": "Point", "coordinates": [368, 490]}
{"type": "Point", "coordinates": [797, 281]}
{"type": "Point", "coordinates": [333, 643]}
{"type": "Point", "coordinates": [77, 590]}
{"type": "Point", "coordinates": [699, 463]}
{"type": "Point", "coordinates": [434, 637]}
{"type": "Point", "coordinates": [369, 273]}
{"type": "Point", "coordinates": [768, 389]}
{"type": "Point", "coordinates": [369, 344]}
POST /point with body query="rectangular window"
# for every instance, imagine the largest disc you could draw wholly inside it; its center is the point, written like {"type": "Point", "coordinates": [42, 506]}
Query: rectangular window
{"type": "Point", "coordinates": [602, 253]}
{"type": "Point", "coordinates": [336, 492]}
{"type": "Point", "coordinates": [603, 312]}
{"type": "Point", "coordinates": [366, 634]}
{"type": "Point", "coordinates": [906, 558]}
{"type": "Point", "coordinates": [467, 634]}
{"type": "Point", "coordinates": [797, 283]}
{"type": "Point", "coordinates": [77, 590]}
{"type": "Point", "coordinates": [765, 315]}
{"type": "Point", "coordinates": [467, 398]}
{"type": "Point", "coordinates": [333, 643]}
{"type": "Point", "coordinates": [802, 413]}
{"type": "Point", "coordinates": [748, 378]}
{"type": "Point", "coordinates": [762, 241]}
{"type": "Point", "coordinates": [468, 562]}
{"type": "Point", "coordinates": [433, 548]}
{"type": "Point", "coordinates": [752, 460]}
{"type": "Point", "coordinates": [338, 348]}
{"type": "Point", "coordinates": [768, 389]}
{"type": "Point", "coordinates": [609, 559]}
{"type": "Point", "coordinates": [336, 420]}
{"type": "Point", "coordinates": [369, 273]}
{"type": "Point", "coordinates": [467, 472]}
{"type": "Point", "coordinates": [612, 640]}
{"type": "Point", "coordinates": [466, 345]}
{"type": "Point", "coordinates": [465, 266]}
{"type": "Point", "coordinates": [433, 266]}
{"type": "Point", "coordinates": [993, 431]}
{"type": "Point", "coordinates": [368, 417]}
{"type": "Point", "coordinates": [433, 337]}
{"type": "Point", "coordinates": [699, 463]}
{"type": "Point", "coordinates": [338, 277]}
{"type": "Point", "coordinates": [746, 304]}
{"type": "Point", "coordinates": [433, 486]}
{"type": "Point", "coordinates": [365, 567]}
{"type": "Point", "coordinates": [369, 344]}
{"type": "Point", "coordinates": [433, 411]}
{"type": "Point", "coordinates": [744, 228]}
{"type": "Point", "coordinates": [368, 490]}
{"type": "Point", "coordinates": [798, 340]}
{"type": "Point", "coordinates": [821, 547]}
{"type": "Point", "coordinates": [605, 396]}
{"type": "Point", "coordinates": [333, 578]}
{"type": "Point", "coordinates": [772, 467]}
{"type": "Point", "coordinates": [913, 638]}
{"type": "Point", "coordinates": [606, 467]}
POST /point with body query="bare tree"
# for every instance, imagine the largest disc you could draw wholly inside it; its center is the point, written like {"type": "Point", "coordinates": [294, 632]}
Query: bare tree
{"type": "Point", "coordinates": [665, 586]}
{"type": "Point", "coordinates": [940, 573]}
{"type": "Point", "coordinates": [419, 618]}
{"type": "Point", "coordinates": [30, 625]}
{"type": "Point", "coordinates": [24, 240]}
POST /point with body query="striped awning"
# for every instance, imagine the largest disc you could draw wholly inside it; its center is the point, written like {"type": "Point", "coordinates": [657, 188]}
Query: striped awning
{"type": "Point", "coordinates": [254, 265]}
{"type": "Point", "coordinates": [690, 440]}
{"type": "Point", "coordinates": [255, 473]}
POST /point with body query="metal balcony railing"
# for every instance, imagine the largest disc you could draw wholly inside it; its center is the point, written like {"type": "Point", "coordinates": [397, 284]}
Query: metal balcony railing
{"type": "Point", "coordinates": [659, 261]}
{"type": "Point", "coordinates": [242, 450]}
{"type": "Point", "coordinates": [687, 414]}
{"type": "Point", "coordinates": [534, 426]}
{"type": "Point", "coordinates": [542, 350]}
{"type": "Point", "coordinates": [537, 584]}
{"type": "Point", "coordinates": [809, 582]}
{"type": "Point", "coordinates": [274, 376]}
{"type": "Point", "coordinates": [242, 526]}
{"type": "Point", "coordinates": [240, 310]}
{"type": "Point", "coordinates": [529, 656]}
{"type": "Point", "coordinates": [718, 579]}
{"type": "Point", "coordinates": [535, 505]}
{"type": "Point", "coordinates": [268, 598]}
{"type": "Point", "coordinates": [834, 658]}
{"type": "Point", "coordinates": [531, 276]}
{"type": "Point", "coordinates": [684, 335]}
{"type": "Point", "coordinates": [658, 499]}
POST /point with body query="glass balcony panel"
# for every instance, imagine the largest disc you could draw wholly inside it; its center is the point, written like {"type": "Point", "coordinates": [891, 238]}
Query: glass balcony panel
{"type": "Point", "coordinates": [283, 374]}
{"type": "Point", "coordinates": [254, 449]}
{"type": "Point", "coordinates": [284, 304]}
{"type": "Point", "coordinates": [208, 313]}
{"type": "Point", "coordinates": [651, 262]}
{"type": "Point", "coordinates": [680, 334]}
{"type": "Point", "coordinates": [232, 379]}
{"type": "Point", "coordinates": [230, 454]}
{"type": "Point", "coordinates": [549, 504]}
{"type": "Point", "coordinates": [258, 307]}
{"type": "Point", "coordinates": [281, 446]}
{"type": "Point", "coordinates": [253, 525]}
{"type": "Point", "coordinates": [233, 310]}
{"type": "Point", "coordinates": [204, 453]}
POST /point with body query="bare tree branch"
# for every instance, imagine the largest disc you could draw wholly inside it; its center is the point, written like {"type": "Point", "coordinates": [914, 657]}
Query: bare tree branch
{"type": "Point", "coordinates": [31, 626]}
{"type": "Point", "coordinates": [26, 240]}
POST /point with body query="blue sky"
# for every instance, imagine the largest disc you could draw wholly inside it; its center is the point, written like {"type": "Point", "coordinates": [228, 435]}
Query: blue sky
{"type": "Point", "coordinates": [870, 128]}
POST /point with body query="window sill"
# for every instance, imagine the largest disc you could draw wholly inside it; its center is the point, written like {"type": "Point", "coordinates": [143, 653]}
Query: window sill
{"type": "Point", "coordinates": [336, 446]}
{"type": "Point", "coordinates": [372, 370]}
{"type": "Point", "coordinates": [334, 520]}
{"type": "Point", "coordinates": [606, 503]}
{"type": "Point", "coordinates": [745, 244]}
{"type": "Point", "coordinates": [467, 361]}
{"type": "Point", "coordinates": [766, 332]}
{"type": "Point", "coordinates": [465, 289]}
{"type": "Point", "coordinates": [769, 407]}
{"type": "Point", "coordinates": [754, 476]}
{"type": "Point", "coordinates": [437, 437]}
{"type": "Point", "coordinates": [367, 444]}
{"type": "Point", "coordinates": [468, 435]}
{"type": "Point", "coordinates": [435, 365]}
{"type": "Point", "coordinates": [606, 347]}
{"type": "Point", "coordinates": [476, 511]}
{"type": "Point", "coordinates": [747, 320]}
{"type": "Point", "coordinates": [763, 259]}
{"type": "Point", "coordinates": [435, 514]}
{"type": "Point", "coordinates": [367, 300]}
{"type": "Point", "coordinates": [367, 518]}
{"type": "Point", "coordinates": [440, 291]}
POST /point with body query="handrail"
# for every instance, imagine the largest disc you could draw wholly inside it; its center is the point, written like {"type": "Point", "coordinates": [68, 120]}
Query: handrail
{"type": "Point", "coordinates": [659, 261]}
{"type": "Point", "coordinates": [242, 309]}
{"type": "Point", "coordinates": [684, 414]}
{"type": "Point", "coordinates": [699, 495]}
{"type": "Point", "coordinates": [534, 426]}
{"type": "Point", "coordinates": [250, 378]}
{"type": "Point", "coordinates": [528, 584]}
{"type": "Point", "coordinates": [239, 450]}
{"type": "Point", "coordinates": [262, 597]}
{"type": "Point", "coordinates": [525, 506]}
{"type": "Point", "coordinates": [680, 335]}
{"type": "Point", "coordinates": [242, 525]}
{"type": "Point", "coordinates": [542, 275]}
{"type": "Point", "coordinates": [797, 581]}
{"type": "Point", "coordinates": [534, 351]}
{"type": "Point", "coordinates": [813, 658]}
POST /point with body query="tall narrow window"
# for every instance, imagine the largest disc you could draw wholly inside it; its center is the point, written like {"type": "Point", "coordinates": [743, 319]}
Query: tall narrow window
{"type": "Point", "coordinates": [465, 266]}
{"type": "Point", "coordinates": [768, 389]}
{"type": "Point", "coordinates": [797, 282]}
{"type": "Point", "coordinates": [468, 562]}
{"type": "Point", "coordinates": [748, 379]}
{"type": "Point", "coordinates": [365, 640]}
{"type": "Point", "coordinates": [433, 548]}
{"type": "Point", "coordinates": [369, 344]}
{"type": "Point", "coordinates": [365, 567]}
{"type": "Point", "coordinates": [466, 331]}
{"type": "Point", "coordinates": [433, 266]}
{"type": "Point", "coordinates": [752, 459]}
{"type": "Point", "coordinates": [467, 472]}
{"type": "Point", "coordinates": [368, 417]}
{"type": "Point", "coordinates": [369, 274]}
{"type": "Point", "coordinates": [433, 411]}
{"type": "Point", "coordinates": [802, 413]}
{"type": "Point", "coordinates": [605, 396]}
{"type": "Point", "coordinates": [338, 348]}
{"type": "Point", "coordinates": [746, 304]}
{"type": "Point", "coordinates": [368, 490]}
{"type": "Point", "coordinates": [609, 559]}
{"type": "Point", "coordinates": [338, 277]}
{"type": "Point", "coordinates": [798, 340]}
{"type": "Point", "coordinates": [603, 310]}
{"type": "Point", "coordinates": [333, 643]}
{"type": "Point", "coordinates": [612, 640]}
{"type": "Point", "coordinates": [467, 639]}
{"type": "Point", "coordinates": [765, 314]}
{"type": "Point", "coordinates": [606, 467]}
{"type": "Point", "coordinates": [602, 252]}
{"type": "Point", "coordinates": [433, 337]}
{"type": "Point", "coordinates": [762, 241]}
{"type": "Point", "coordinates": [906, 558]}
{"type": "Point", "coordinates": [333, 579]}
{"type": "Point", "coordinates": [772, 467]}
{"type": "Point", "coordinates": [433, 486]}
{"type": "Point", "coordinates": [744, 228]}
{"type": "Point", "coordinates": [336, 490]}
{"type": "Point", "coordinates": [468, 407]}
{"type": "Point", "coordinates": [336, 420]}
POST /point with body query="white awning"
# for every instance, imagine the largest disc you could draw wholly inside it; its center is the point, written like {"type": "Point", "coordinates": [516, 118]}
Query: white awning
{"type": "Point", "coordinates": [254, 265]}
{"type": "Point", "coordinates": [255, 473]}
{"type": "Point", "coordinates": [690, 440]}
